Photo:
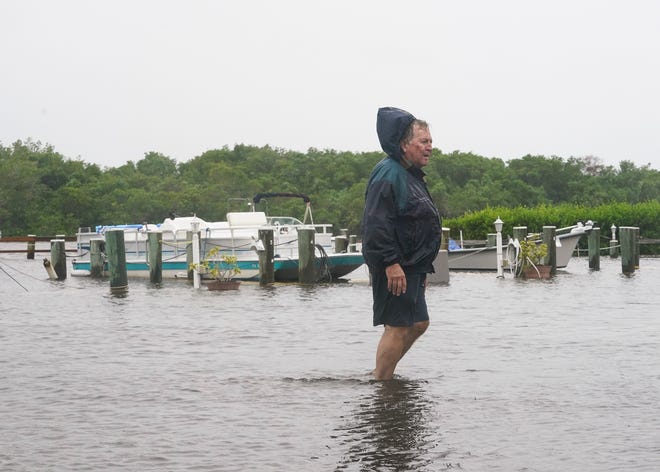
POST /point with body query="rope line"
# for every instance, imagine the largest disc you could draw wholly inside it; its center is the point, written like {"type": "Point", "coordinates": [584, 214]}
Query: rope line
{"type": "Point", "coordinates": [10, 276]}
{"type": "Point", "coordinates": [324, 268]}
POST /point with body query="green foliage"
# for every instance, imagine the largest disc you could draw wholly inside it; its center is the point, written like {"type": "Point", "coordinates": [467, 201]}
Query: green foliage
{"type": "Point", "coordinates": [41, 192]}
{"type": "Point", "coordinates": [224, 269]}
{"type": "Point", "coordinates": [532, 253]}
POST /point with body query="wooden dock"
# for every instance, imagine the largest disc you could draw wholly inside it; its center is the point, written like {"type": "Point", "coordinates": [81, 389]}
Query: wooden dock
{"type": "Point", "coordinates": [30, 241]}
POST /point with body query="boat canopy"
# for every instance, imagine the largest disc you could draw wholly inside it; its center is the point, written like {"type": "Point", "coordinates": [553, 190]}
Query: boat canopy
{"type": "Point", "coordinates": [257, 198]}
{"type": "Point", "coordinates": [308, 203]}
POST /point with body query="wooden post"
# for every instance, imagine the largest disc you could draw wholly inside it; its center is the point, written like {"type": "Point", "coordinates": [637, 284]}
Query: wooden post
{"type": "Point", "coordinates": [441, 267]}
{"type": "Point", "coordinates": [58, 257]}
{"type": "Point", "coordinates": [626, 236]}
{"type": "Point", "coordinates": [196, 258]}
{"type": "Point", "coordinates": [191, 240]}
{"type": "Point", "coordinates": [96, 258]}
{"type": "Point", "coordinates": [352, 243]}
{"type": "Point", "coordinates": [266, 257]}
{"type": "Point", "coordinates": [444, 243]}
{"type": "Point", "coordinates": [306, 249]}
{"type": "Point", "coordinates": [341, 244]}
{"type": "Point", "coordinates": [636, 245]}
{"type": "Point", "coordinates": [31, 245]}
{"type": "Point", "coordinates": [491, 240]}
{"type": "Point", "coordinates": [614, 248]}
{"type": "Point", "coordinates": [189, 254]}
{"type": "Point", "coordinates": [550, 238]}
{"type": "Point", "coordinates": [594, 248]}
{"type": "Point", "coordinates": [155, 252]}
{"type": "Point", "coordinates": [520, 232]}
{"type": "Point", "coordinates": [116, 252]}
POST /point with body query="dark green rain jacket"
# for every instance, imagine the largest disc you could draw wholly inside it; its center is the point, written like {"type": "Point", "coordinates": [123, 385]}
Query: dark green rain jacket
{"type": "Point", "coordinates": [400, 222]}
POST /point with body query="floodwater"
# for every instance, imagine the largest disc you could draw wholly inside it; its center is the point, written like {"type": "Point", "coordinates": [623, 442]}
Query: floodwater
{"type": "Point", "coordinates": [560, 375]}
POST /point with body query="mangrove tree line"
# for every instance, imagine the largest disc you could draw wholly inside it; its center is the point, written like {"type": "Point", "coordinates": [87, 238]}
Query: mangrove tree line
{"type": "Point", "coordinates": [44, 193]}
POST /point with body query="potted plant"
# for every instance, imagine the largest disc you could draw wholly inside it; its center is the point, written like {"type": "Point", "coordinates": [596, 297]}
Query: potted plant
{"type": "Point", "coordinates": [222, 272]}
{"type": "Point", "coordinates": [531, 257]}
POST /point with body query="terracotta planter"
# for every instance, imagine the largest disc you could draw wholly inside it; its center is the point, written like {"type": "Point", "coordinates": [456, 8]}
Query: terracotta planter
{"type": "Point", "coordinates": [538, 272]}
{"type": "Point", "coordinates": [223, 285]}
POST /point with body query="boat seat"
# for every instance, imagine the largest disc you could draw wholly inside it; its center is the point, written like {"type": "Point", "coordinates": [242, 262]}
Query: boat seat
{"type": "Point", "coordinates": [246, 219]}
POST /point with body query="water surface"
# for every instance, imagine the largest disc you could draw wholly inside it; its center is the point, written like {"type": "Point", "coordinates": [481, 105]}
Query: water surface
{"type": "Point", "coordinates": [512, 375]}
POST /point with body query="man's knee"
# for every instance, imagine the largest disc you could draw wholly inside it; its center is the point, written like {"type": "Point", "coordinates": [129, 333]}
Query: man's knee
{"type": "Point", "coordinates": [406, 334]}
{"type": "Point", "coordinates": [420, 327]}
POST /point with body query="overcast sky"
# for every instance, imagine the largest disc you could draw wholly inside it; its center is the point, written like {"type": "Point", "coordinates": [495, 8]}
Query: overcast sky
{"type": "Point", "coordinates": [108, 81]}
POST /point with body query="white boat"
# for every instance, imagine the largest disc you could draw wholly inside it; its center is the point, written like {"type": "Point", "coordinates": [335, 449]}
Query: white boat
{"type": "Point", "coordinates": [237, 236]}
{"type": "Point", "coordinates": [485, 258]}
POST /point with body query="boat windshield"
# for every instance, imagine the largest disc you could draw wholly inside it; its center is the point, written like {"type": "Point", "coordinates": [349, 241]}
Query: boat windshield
{"type": "Point", "coordinates": [283, 220]}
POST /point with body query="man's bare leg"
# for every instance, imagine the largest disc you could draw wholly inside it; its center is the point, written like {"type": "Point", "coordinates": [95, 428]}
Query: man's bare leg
{"type": "Point", "coordinates": [394, 343]}
{"type": "Point", "coordinates": [415, 331]}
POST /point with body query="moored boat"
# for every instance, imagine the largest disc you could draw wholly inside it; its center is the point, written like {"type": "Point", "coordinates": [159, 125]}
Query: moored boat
{"type": "Point", "coordinates": [485, 258]}
{"type": "Point", "coordinates": [237, 236]}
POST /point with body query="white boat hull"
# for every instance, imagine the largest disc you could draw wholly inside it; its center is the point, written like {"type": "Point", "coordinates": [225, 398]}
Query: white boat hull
{"type": "Point", "coordinates": [237, 237]}
{"type": "Point", "coordinates": [485, 258]}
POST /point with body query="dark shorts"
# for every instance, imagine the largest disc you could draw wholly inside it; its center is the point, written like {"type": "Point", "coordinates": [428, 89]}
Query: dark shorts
{"type": "Point", "coordinates": [403, 310]}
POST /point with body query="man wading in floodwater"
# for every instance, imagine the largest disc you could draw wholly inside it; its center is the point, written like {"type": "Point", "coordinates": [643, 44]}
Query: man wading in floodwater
{"type": "Point", "coordinates": [401, 235]}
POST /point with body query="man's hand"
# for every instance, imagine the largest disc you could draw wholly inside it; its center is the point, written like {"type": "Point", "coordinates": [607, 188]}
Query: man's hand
{"type": "Point", "coordinates": [396, 279]}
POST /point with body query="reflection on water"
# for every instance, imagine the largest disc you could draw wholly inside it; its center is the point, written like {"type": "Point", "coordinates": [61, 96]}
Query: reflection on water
{"type": "Point", "coordinates": [391, 428]}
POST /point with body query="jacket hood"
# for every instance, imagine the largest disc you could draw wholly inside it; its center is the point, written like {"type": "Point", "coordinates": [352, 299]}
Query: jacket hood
{"type": "Point", "coordinates": [391, 124]}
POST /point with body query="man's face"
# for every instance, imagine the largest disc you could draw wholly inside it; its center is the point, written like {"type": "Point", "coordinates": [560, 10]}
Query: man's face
{"type": "Point", "coordinates": [418, 150]}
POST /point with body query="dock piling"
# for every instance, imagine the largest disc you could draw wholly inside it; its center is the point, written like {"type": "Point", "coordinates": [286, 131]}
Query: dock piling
{"type": "Point", "coordinates": [627, 237]}
{"type": "Point", "coordinates": [196, 258]}
{"type": "Point", "coordinates": [491, 240]}
{"type": "Point", "coordinates": [352, 243]}
{"type": "Point", "coordinates": [520, 232]}
{"type": "Point", "coordinates": [594, 248]}
{"type": "Point", "coordinates": [31, 244]}
{"type": "Point", "coordinates": [58, 258]}
{"type": "Point", "coordinates": [116, 252]}
{"type": "Point", "coordinates": [341, 244]}
{"type": "Point", "coordinates": [306, 249]}
{"type": "Point", "coordinates": [636, 245]}
{"type": "Point", "coordinates": [444, 241]}
{"type": "Point", "coordinates": [550, 240]}
{"type": "Point", "coordinates": [155, 254]}
{"type": "Point", "coordinates": [96, 257]}
{"type": "Point", "coordinates": [189, 254]}
{"type": "Point", "coordinates": [266, 257]}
